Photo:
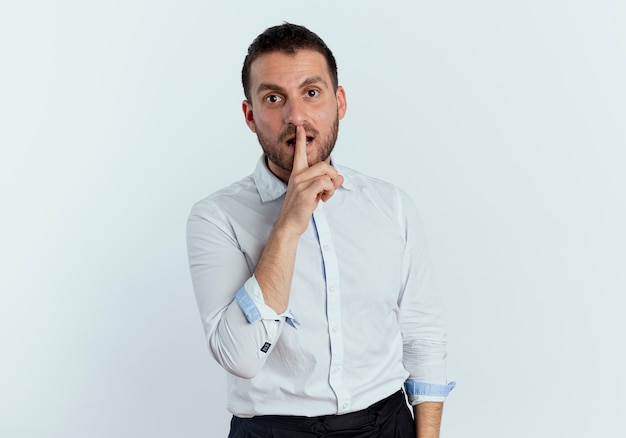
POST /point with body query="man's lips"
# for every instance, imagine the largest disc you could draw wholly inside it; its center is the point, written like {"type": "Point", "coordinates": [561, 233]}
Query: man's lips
{"type": "Point", "coordinates": [292, 141]}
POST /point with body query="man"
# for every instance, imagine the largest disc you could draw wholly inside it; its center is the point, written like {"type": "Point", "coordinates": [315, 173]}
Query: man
{"type": "Point", "coordinates": [313, 280]}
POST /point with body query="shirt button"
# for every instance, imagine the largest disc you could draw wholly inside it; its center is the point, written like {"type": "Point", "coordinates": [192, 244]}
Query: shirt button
{"type": "Point", "coordinates": [344, 406]}
{"type": "Point", "coordinates": [331, 288]}
{"type": "Point", "coordinates": [335, 370]}
{"type": "Point", "coordinates": [326, 247]}
{"type": "Point", "coordinates": [334, 329]}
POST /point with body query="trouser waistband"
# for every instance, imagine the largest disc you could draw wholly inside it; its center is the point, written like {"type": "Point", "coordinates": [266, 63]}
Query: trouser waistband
{"type": "Point", "coordinates": [375, 416]}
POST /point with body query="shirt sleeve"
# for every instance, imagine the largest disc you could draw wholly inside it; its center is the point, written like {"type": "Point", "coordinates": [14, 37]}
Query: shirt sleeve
{"type": "Point", "coordinates": [240, 328]}
{"type": "Point", "coordinates": [422, 320]}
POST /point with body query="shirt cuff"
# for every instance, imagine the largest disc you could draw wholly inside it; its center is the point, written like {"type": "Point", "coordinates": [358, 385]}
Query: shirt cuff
{"type": "Point", "coordinates": [250, 300]}
{"type": "Point", "coordinates": [419, 392]}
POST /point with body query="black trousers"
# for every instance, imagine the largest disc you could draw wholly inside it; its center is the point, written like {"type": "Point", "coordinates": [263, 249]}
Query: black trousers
{"type": "Point", "coordinates": [388, 418]}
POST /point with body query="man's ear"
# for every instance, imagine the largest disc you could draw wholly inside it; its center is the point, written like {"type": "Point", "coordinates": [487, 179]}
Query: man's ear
{"type": "Point", "coordinates": [342, 103]}
{"type": "Point", "coordinates": [248, 114]}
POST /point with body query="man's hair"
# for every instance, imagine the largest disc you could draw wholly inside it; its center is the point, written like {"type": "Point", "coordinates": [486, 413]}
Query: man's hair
{"type": "Point", "coordinates": [286, 38]}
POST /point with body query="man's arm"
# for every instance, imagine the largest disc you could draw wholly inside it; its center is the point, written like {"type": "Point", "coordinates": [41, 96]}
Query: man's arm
{"type": "Point", "coordinates": [240, 330]}
{"type": "Point", "coordinates": [428, 419]}
{"type": "Point", "coordinates": [423, 329]}
{"type": "Point", "coordinates": [306, 187]}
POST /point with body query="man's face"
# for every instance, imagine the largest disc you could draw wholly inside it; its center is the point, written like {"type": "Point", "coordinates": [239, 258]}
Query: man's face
{"type": "Point", "coordinates": [288, 91]}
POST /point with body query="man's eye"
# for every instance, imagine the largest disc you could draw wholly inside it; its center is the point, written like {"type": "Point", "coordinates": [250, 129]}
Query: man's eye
{"type": "Point", "coordinates": [312, 93]}
{"type": "Point", "coordinates": [273, 98]}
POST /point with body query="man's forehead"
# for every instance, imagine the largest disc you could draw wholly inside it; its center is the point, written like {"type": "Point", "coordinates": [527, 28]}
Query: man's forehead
{"type": "Point", "coordinates": [279, 64]}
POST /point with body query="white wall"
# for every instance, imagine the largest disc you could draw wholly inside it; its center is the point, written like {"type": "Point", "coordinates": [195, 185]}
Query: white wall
{"type": "Point", "coordinates": [504, 120]}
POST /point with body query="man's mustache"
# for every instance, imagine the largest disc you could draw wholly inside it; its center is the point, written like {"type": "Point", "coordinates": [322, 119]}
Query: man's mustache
{"type": "Point", "coordinates": [290, 132]}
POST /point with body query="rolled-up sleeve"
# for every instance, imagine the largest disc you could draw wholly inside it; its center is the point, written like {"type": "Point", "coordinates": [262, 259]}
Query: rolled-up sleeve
{"type": "Point", "coordinates": [240, 328]}
{"type": "Point", "coordinates": [422, 320]}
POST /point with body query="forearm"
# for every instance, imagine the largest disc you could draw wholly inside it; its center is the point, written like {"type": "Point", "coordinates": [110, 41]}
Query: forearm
{"type": "Point", "coordinates": [428, 419]}
{"type": "Point", "coordinates": [274, 270]}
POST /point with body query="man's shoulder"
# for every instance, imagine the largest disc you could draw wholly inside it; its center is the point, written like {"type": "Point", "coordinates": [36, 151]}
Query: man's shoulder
{"type": "Point", "coordinates": [235, 192]}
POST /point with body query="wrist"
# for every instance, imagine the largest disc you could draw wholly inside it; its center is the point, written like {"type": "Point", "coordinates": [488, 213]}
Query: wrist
{"type": "Point", "coordinates": [285, 233]}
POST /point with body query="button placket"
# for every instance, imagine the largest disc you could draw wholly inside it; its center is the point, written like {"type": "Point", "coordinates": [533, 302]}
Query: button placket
{"type": "Point", "coordinates": [333, 308]}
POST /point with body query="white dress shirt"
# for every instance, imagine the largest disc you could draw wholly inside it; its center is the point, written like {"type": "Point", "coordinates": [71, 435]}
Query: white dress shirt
{"type": "Point", "coordinates": [364, 317]}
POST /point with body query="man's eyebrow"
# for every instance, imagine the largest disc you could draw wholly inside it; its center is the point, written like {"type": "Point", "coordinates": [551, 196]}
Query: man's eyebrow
{"type": "Point", "coordinates": [268, 86]}
{"type": "Point", "coordinates": [313, 80]}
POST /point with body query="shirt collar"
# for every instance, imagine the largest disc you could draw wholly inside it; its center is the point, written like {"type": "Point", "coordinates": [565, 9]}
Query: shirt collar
{"type": "Point", "coordinates": [271, 188]}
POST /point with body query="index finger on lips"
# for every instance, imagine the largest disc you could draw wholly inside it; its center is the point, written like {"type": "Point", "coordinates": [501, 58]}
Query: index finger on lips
{"type": "Point", "coordinates": [300, 161]}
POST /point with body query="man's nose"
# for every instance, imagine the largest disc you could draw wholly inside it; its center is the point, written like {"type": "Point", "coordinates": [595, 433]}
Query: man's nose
{"type": "Point", "coordinates": [295, 112]}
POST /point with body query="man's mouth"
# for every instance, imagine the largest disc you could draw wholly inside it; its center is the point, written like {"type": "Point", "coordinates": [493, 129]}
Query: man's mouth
{"type": "Point", "coordinates": [292, 141]}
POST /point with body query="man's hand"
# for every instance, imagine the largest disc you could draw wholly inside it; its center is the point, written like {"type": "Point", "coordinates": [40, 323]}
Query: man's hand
{"type": "Point", "coordinates": [306, 187]}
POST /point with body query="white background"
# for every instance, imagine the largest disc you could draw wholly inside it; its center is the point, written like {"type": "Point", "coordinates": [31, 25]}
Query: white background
{"type": "Point", "coordinates": [505, 121]}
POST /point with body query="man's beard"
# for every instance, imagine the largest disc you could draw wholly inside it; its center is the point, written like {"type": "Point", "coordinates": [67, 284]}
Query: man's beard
{"type": "Point", "coordinates": [282, 156]}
